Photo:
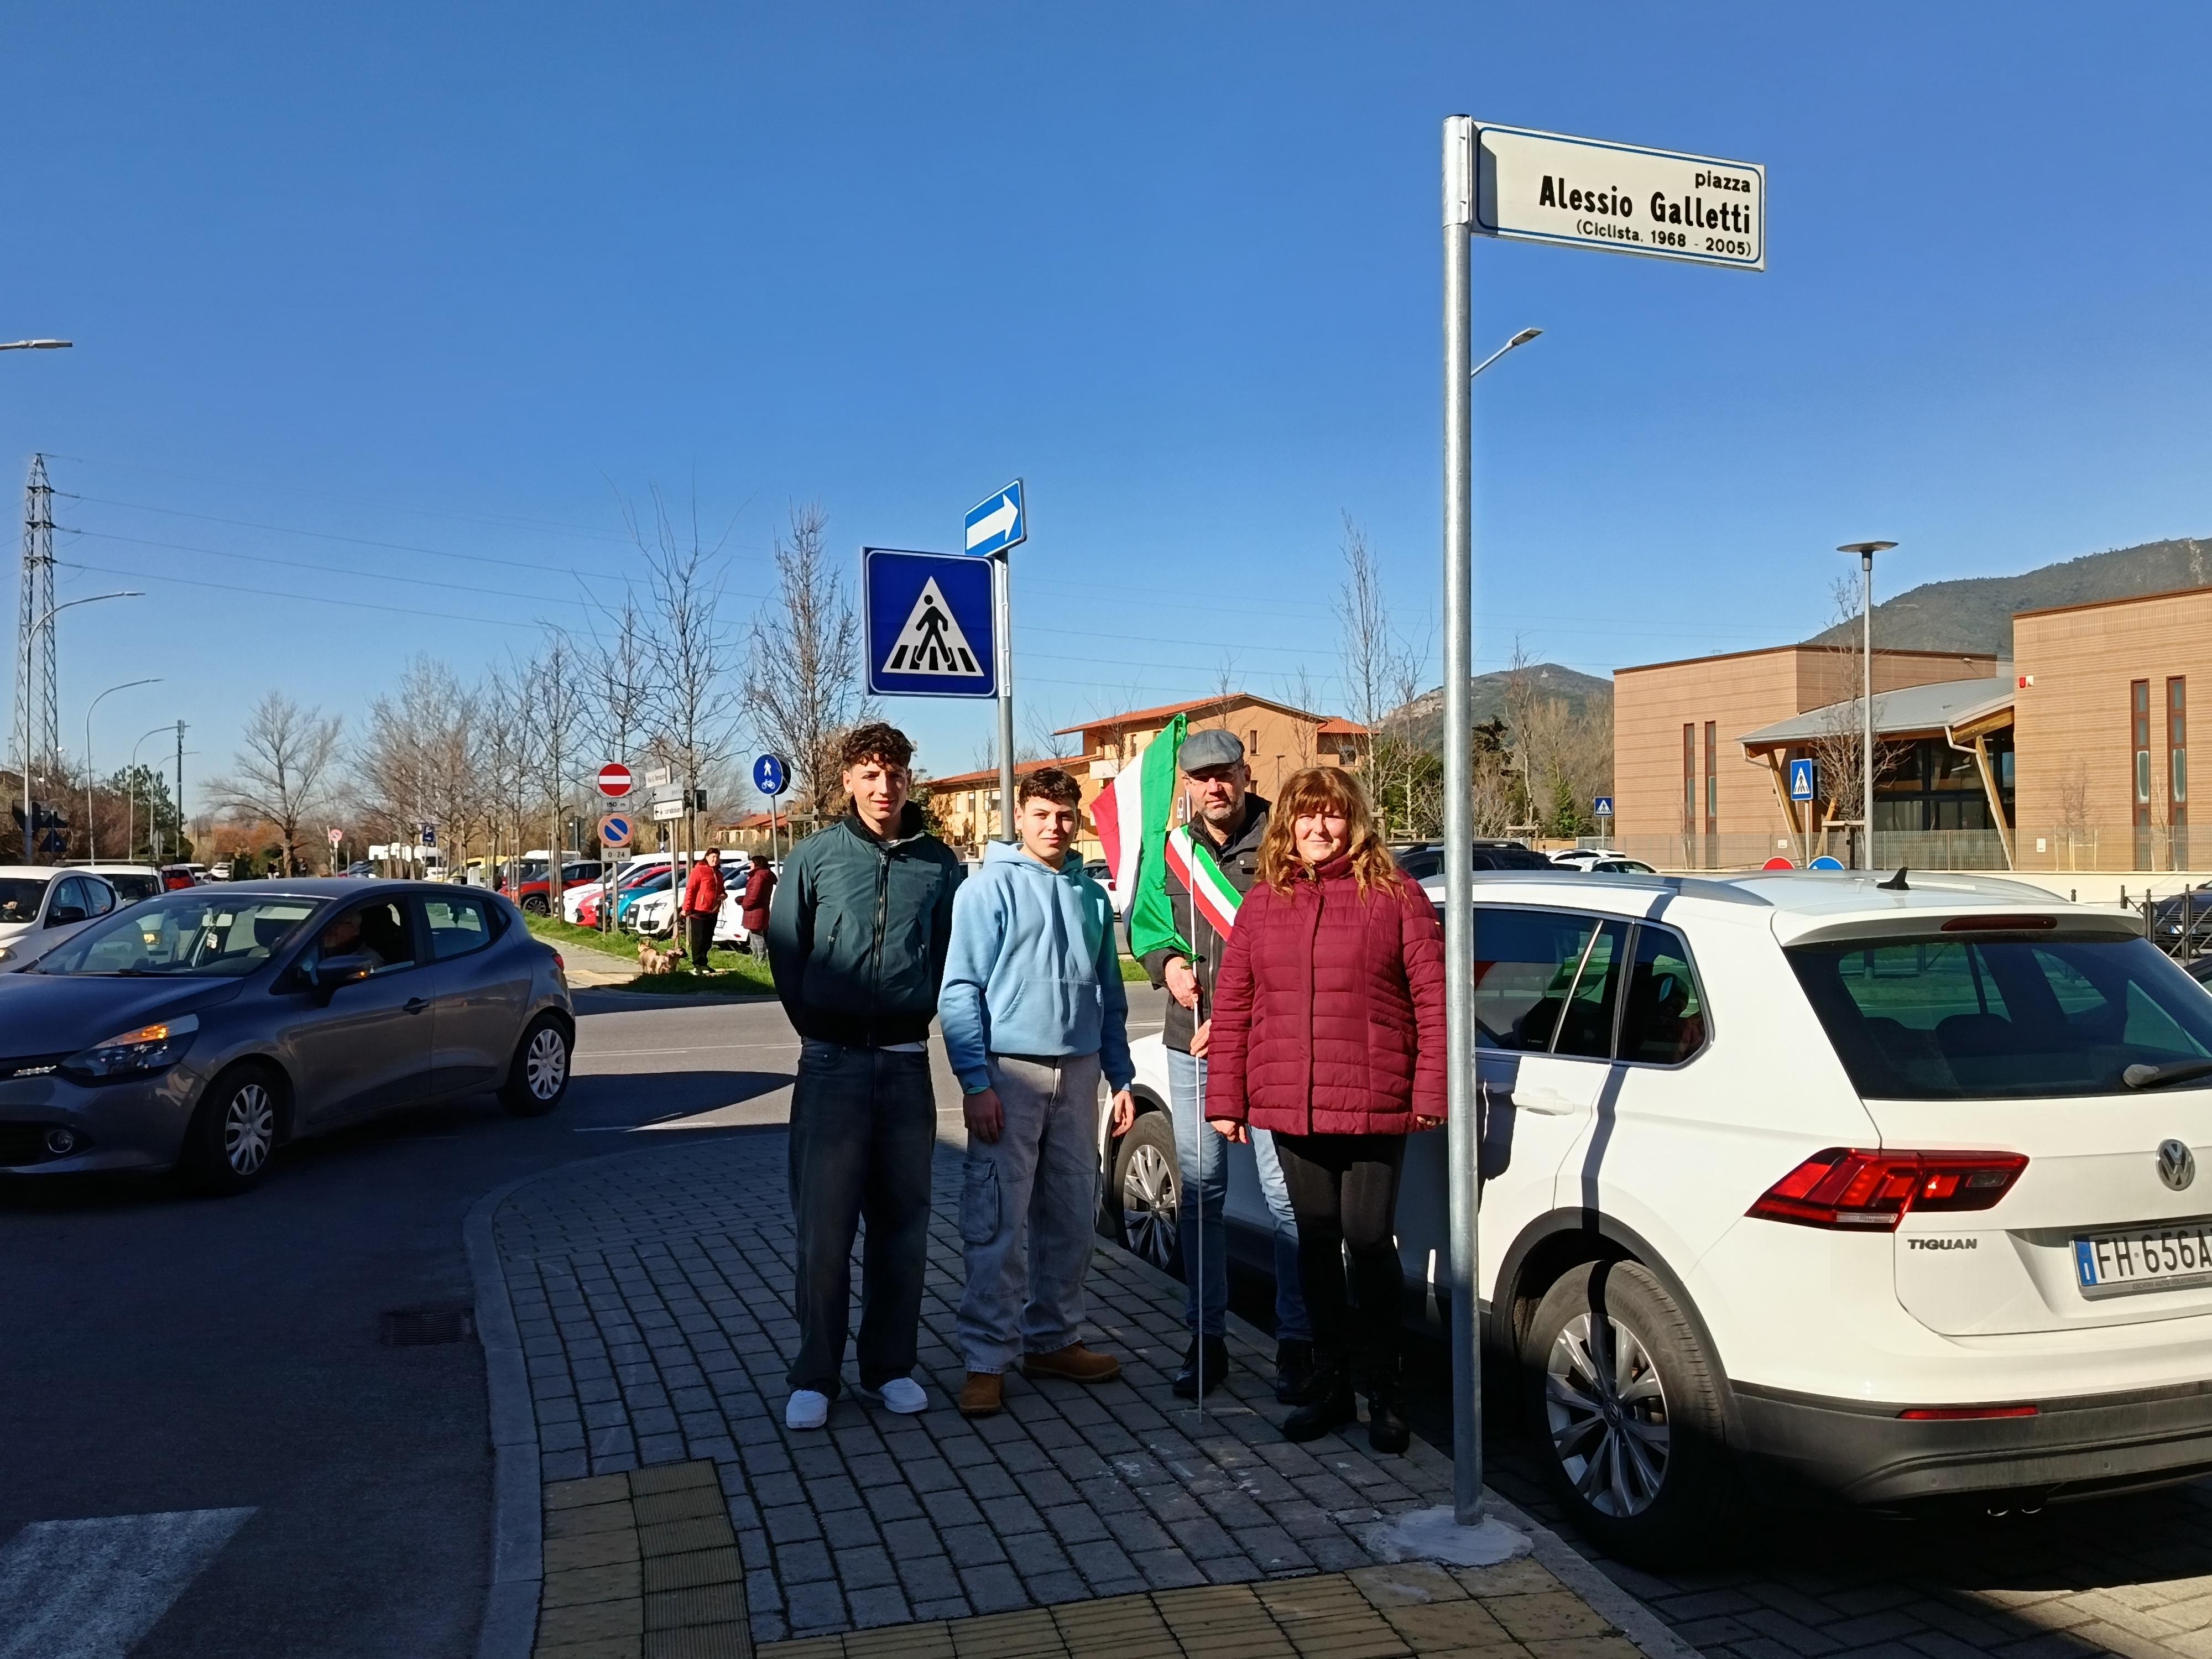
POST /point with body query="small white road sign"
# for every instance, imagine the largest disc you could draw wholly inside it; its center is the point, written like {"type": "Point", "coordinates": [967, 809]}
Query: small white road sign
{"type": "Point", "coordinates": [1623, 198]}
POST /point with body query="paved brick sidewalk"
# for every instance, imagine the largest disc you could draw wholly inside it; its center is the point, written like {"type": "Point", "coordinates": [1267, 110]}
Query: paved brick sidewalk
{"type": "Point", "coordinates": [650, 1293]}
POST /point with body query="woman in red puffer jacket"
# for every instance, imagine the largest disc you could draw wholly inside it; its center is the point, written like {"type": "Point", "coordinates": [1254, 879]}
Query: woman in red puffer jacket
{"type": "Point", "coordinates": [1328, 1032]}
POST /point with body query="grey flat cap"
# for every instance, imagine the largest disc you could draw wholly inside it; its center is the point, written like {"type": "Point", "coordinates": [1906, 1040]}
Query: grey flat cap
{"type": "Point", "coordinates": [1211, 747]}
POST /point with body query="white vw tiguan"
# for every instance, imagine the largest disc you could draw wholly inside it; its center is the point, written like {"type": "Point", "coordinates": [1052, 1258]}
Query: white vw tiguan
{"type": "Point", "coordinates": [1885, 1192]}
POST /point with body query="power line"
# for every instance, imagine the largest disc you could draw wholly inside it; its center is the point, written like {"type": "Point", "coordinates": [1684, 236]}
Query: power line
{"type": "Point", "coordinates": [314, 598]}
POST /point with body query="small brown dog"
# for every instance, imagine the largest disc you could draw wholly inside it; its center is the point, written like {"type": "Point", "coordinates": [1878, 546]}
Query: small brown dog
{"type": "Point", "coordinates": [654, 961]}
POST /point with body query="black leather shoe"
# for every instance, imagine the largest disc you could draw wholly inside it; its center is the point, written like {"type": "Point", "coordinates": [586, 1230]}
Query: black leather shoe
{"type": "Point", "coordinates": [1329, 1403]}
{"type": "Point", "coordinates": [1216, 1351]}
{"type": "Point", "coordinates": [1387, 1428]}
{"type": "Point", "coordinates": [1294, 1371]}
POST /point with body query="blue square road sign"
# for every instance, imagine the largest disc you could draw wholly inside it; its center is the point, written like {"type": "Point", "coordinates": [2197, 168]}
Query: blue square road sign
{"type": "Point", "coordinates": [929, 624]}
{"type": "Point", "coordinates": [1804, 777]}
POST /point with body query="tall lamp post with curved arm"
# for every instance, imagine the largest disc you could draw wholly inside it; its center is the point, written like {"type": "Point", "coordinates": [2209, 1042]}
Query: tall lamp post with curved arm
{"type": "Point", "coordinates": [91, 847]}
{"type": "Point", "coordinates": [30, 834]}
{"type": "Point", "coordinates": [131, 794]}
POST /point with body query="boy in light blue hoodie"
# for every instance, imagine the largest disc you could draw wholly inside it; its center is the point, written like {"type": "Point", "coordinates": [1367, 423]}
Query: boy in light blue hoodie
{"type": "Point", "coordinates": [1034, 1015]}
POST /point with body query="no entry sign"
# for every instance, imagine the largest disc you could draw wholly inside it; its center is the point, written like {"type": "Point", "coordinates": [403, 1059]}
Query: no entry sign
{"type": "Point", "coordinates": [614, 780]}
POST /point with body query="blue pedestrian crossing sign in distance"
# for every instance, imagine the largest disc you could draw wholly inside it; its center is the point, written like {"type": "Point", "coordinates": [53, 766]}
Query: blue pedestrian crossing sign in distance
{"type": "Point", "coordinates": [770, 776]}
{"type": "Point", "coordinates": [1804, 780]}
{"type": "Point", "coordinates": [997, 522]}
{"type": "Point", "coordinates": [929, 624]}
{"type": "Point", "coordinates": [1604, 807]}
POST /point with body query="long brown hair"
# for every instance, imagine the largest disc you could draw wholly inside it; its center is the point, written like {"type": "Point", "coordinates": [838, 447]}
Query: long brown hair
{"type": "Point", "coordinates": [1326, 788]}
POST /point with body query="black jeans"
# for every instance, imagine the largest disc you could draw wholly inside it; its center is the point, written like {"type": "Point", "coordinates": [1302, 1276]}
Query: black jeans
{"type": "Point", "coordinates": [699, 938]}
{"type": "Point", "coordinates": [863, 1131]}
{"type": "Point", "coordinates": [1344, 1191]}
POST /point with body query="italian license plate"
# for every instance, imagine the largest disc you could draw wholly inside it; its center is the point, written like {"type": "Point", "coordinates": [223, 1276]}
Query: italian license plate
{"type": "Point", "coordinates": [2171, 1257]}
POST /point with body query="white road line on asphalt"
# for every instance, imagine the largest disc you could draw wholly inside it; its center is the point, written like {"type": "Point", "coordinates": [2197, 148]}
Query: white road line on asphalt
{"type": "Point", "coordinates": [90, 1589]}
{"type": "Point", "coordinates": [696, 1048]}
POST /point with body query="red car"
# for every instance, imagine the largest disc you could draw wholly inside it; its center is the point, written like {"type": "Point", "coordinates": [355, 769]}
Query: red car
{"type": "Point", "coordinates": [535, 897]}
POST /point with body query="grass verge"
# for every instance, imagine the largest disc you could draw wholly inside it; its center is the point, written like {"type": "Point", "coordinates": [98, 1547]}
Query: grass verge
{"type": "Point", "coordinates": [735, 973]}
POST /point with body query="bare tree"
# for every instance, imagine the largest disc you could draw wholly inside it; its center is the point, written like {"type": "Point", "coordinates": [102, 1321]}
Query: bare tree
{"type": "Point", "coordinates": [555, 688]}
{"type": "Point", "coordinates": [1366, 647]}
{"type": "Point", "coordinates": [803, 685]}
{"type": "Point", "coordinates": [1837, 746]}
{"type": "Point", "coordinates": [282, 771]}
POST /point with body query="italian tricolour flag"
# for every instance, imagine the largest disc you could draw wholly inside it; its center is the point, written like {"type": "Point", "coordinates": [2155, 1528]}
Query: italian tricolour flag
{"type": "Point", "coordinates": [1133, 832]}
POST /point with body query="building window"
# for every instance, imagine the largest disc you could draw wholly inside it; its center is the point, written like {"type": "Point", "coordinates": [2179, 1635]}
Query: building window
{"type": "Point", "coordinates": [2139, 749]}
{"type": "Point", "coordinates": [1689, 780]}
{"type": "Point", "coordinates": [1712, 779]}
{"type": "Point", "coordinates": [2177, 768]}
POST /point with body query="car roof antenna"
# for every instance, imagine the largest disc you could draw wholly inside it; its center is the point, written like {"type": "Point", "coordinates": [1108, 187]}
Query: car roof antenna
{"type": "Point", "coordinates": [1895, 884]}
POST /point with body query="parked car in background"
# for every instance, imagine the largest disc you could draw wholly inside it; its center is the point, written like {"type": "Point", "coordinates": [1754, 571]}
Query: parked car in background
{"type": "Point", "coordinates": [175, 877]}
{"type": "Point", "coordinates": [1960, 1257]}
{"type": "Point", "coordinates": [626, 901]}
{"type": "Point", "coordinates": [131, 882]}
{"type": "Point", "coordinates": [219, 871]}
{"type": "Point", "coordinates": [361, 870]}
{"type": "Point", "coordinates": [1619, 866]}
{"type": "Point", "coordinates": [1422, 860]}
{"type": "Point", "coordinates": [204, 1029]}
{"type": "Point", "coordinates": [535, 897]}
{"type": "Point", "coordinates": [627, 872]}
{"type": "Point", "coordinates": [39, 907]}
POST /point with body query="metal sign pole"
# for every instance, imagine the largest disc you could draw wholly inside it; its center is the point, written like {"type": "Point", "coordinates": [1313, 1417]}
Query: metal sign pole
{"type": "Point", "coordinates": [1462, 1126]}
{"type": "Point", "coordinates": [1002, 624]}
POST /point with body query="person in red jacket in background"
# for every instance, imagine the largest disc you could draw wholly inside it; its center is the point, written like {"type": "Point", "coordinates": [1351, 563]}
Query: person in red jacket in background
{"type": "Point", "coordinates": [753, 903]}
{"type": "Point", "coordinates": [702, 902]}
{"type": "Point", "coordinates": [1328, 1032]}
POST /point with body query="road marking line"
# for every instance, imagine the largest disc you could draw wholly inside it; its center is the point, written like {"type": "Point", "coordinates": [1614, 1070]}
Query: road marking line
{"type": "Point", "coordinates": [90, 1589]}
{"type": "Point", "coordinates": [698, 1048]}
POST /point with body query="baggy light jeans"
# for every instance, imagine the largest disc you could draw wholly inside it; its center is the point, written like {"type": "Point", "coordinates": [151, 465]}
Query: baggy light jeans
{"type": "Point", "coordinates": [1028, 1208]}
{"type": "Point", "coordinates": [1204, 1156]}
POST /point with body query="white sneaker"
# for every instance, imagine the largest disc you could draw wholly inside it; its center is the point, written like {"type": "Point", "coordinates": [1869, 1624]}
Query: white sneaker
{"type": "Point", "coordinates": [902, 1395]}
{"type": "Point", "coordinates": [808, 1408]}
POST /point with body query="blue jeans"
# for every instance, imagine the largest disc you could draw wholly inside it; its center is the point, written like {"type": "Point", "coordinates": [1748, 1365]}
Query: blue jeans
{"type": "Point", "coordinates": [1204, 1156]}
{"type": "Point", "coordinates": [863, 1130]}
{"type": "Point", "coordinates": [1028, 1201]}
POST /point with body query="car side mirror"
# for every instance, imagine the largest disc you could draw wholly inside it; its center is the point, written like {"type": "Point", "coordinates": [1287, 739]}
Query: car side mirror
{"type": "Point", "coordinates": [62, 914]}
{"type": "Point", "coordinates": [350, 968]}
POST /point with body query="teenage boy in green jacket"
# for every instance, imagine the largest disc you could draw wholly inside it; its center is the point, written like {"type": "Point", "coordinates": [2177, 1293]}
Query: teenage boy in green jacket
{"type": "Point", "coordinates": [856, 938]}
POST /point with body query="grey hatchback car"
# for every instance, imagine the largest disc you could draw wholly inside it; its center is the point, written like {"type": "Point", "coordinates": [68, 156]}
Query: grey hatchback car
{"type": "Point", "coordinates": [202, 1030]}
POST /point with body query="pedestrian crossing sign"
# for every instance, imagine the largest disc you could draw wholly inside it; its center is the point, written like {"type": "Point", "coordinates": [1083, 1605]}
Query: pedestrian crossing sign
{"type": "Point", "coordinates": [929, 618]}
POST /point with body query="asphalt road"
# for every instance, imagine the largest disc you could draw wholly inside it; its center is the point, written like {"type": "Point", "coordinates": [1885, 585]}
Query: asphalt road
{"type": "Point", "coordinates": [166, 1357]}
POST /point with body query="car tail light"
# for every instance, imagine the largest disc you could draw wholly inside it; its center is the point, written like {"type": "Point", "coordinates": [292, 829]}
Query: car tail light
{"type": "Point", "coordinates": [2000, 924]}
{"type": "Point", "coordinates": [1846, 1187]}
{"type": "Point", "coordinates": [1963, 1413]}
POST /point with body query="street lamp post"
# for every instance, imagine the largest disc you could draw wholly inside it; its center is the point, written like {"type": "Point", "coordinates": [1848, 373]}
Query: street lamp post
{"type": "Point", "coordinates": [1866, 550]}
{"type": "Point", "coordinates": [35, 345]}
{"type": "Point", "coordinates": [30, 835]}
{"type": "Point", "coordinates": [91, 848]}
{"type": "Point", "coordinates": [131, 797]}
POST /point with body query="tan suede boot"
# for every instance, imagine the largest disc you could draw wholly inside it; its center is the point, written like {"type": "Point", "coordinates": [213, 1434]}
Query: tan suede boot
{"type": "Point", "coordinates": [1072, 1364]}
{"type": "Point", "coordinates": [983, 1394]}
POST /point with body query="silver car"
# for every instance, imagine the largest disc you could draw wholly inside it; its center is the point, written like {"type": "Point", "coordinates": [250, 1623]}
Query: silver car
{"type": "Point", "coordinates": [201, 1029]}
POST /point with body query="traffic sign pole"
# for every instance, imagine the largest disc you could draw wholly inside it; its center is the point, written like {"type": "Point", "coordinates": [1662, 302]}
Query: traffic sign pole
{"type": "Point", "coordinates": [1002, 621]}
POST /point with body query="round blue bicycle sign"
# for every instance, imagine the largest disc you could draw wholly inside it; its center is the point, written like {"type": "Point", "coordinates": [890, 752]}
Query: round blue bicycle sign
{"type": "Point", "coordinates": [770, 776]}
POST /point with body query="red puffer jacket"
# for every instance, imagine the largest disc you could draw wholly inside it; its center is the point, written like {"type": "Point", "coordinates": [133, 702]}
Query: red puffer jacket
{"type": "Point", "coordinates": [1329, 1015]}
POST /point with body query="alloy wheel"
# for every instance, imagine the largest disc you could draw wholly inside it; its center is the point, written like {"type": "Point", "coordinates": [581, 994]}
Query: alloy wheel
{"type": "Point", "coordinates": [545, 1068]}
{"type": "Point", "coordinates": [249, 1128]}
{"type": "Point", "coordinates": [1150, 1206]}
{"type": "Point", "coordinates": [1607, 1413]}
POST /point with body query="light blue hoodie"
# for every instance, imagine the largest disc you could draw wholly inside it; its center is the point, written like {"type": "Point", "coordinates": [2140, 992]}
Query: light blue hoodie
{"type": "Point", "coordinates": [1032, 969]}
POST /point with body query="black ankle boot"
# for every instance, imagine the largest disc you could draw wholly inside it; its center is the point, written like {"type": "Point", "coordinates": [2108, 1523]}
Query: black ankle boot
{"type": "Point", "coordinates": [1215, 1351]}
{"type": "Point", "coordinates": [1387, 1428]}
{"type": "Point", "coordinates": [1329, 1403]}
{"type": "Point", "coordinates": [1294, 1371]}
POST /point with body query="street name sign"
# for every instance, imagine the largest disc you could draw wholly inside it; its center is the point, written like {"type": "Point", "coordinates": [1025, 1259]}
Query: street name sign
{"type": "Point", "coordinates": [929, 618]}
{"type": "Point", "coordinates": [770, 776]}
{"type": "Point", "coordinates": [1804, 779]}
{"type": "Point", "coordinates": [668, 810]}
{"type": "Point", "coordinates": [614, 829]}
{"type": "Point", "coordinates": [997, 522]}
{"type": "Point", "coordinates": [614, 781]}
{"type": "Point", "coordinates": [1623, 198]}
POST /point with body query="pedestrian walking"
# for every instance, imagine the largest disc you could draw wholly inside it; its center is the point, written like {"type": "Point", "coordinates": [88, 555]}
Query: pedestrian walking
{"type": "Point", "coordinates": [1329, 1030]}
{"type": "Point", "coordinates": [857, 936]}
{"type": "Point", "coordinates": [1034, 1016]}
{"type": "Point", "coordinates": [702, 904]}
{"type": "Point", "coordinates": [753, 904]}
{"type": "Point", "coordinates": [1229, 822]}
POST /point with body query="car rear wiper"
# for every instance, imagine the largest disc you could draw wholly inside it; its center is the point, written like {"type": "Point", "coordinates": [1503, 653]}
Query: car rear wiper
{"type": "Point", "coordinates": [2157, 1077]}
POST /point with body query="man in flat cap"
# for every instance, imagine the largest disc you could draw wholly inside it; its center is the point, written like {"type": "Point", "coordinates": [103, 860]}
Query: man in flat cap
{"type": "Point", "coordinates": [1231, 821]}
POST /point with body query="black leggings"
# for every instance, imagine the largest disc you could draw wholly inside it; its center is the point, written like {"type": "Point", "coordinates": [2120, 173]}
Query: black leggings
{"type": "Point", "coordinates": [1344, 1191]}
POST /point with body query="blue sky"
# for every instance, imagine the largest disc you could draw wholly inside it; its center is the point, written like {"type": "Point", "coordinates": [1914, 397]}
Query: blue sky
{"type": "Point", "coordinates": [390, 304]}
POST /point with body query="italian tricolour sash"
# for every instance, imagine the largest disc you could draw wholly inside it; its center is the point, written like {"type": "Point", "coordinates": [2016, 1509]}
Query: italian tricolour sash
{"type": "Point", "coordinates": [1212, 894]}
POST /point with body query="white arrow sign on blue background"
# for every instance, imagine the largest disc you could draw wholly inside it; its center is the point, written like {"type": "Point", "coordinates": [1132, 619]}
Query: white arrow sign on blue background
{"type": "Point", "coordinates": [997, 522]}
